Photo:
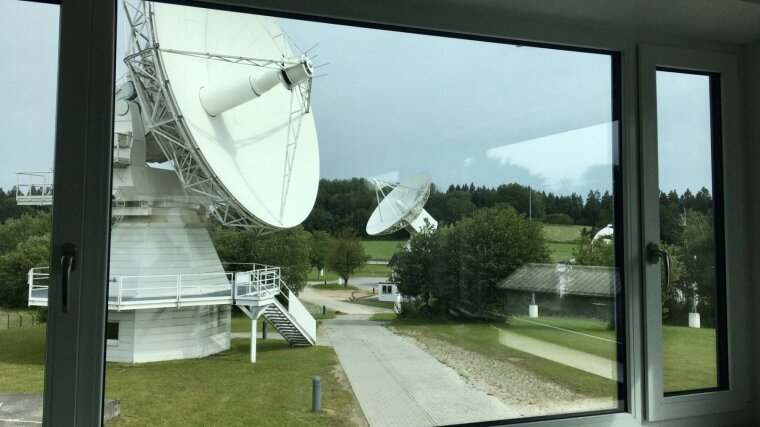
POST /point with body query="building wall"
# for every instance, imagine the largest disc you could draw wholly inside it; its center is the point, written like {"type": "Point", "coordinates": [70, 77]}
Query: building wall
{"type": "Point", "coordinates": [181, 333]}
{"type": "Point", "coordinates": [122, 350]}
{"type": "Point", "coordinates": [752, 80]}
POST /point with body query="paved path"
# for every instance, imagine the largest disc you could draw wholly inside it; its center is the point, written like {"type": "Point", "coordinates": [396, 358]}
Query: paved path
{"type": "Point", "coordinates": [20, 409]}
{"type": "Point", "coordinates": [567, 356]}
{"type": "Point", "coordinates": [319, 299]}
{"type": "Point", "coordinates": [365, 283]}
{"type": "Point", "coordinates": [397, 384]}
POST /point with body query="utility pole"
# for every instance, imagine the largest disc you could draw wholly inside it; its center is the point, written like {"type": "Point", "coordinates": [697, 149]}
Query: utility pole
{"type": "Point", "coordinates": [530, 203]}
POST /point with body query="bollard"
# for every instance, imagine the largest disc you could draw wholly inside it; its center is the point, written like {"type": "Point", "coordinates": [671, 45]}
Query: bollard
{"type": "Point", "coordinates": [324, 310]}
{"type": "Point", "coordinates": [316, 389]}
{"type": "Point", "coordinates": [264, 330]}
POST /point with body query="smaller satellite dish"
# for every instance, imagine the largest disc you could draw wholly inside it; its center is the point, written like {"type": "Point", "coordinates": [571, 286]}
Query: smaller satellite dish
{"type": "Point", "coordinates": [402, 207]}
{"type": "Point", "coordinates": [606, 234]}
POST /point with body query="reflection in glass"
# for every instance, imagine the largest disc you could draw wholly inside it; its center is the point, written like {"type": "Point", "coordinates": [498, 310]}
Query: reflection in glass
{"type": "Point", "coordinates": [486, 288]}
{"type": "Point", "coordinates": [28, 84]}
{"type": "Point", "coordinates": [687, 231]}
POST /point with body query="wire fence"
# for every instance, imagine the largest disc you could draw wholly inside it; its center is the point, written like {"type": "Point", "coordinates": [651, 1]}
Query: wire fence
{"type": "Point", "coordinates": [18, 319]}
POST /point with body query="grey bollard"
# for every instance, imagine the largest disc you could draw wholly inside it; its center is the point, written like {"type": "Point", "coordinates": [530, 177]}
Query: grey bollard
{"type": "Point", "coordinates": [316, 390]}
{"type": "Point", "coordinates": [264, 330]}
{"type": "Point", "coordinates": [324, 310]}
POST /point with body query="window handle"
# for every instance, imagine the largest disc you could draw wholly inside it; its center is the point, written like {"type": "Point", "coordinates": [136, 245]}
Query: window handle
{"type": "Point", "coordinates": [68, 265]}
{"type": "Point", "coordinates": [654, 253]}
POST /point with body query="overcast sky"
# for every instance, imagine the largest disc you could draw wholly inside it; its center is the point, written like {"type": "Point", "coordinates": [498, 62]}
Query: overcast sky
{"type": "Point", "coordinates": [393, 104]}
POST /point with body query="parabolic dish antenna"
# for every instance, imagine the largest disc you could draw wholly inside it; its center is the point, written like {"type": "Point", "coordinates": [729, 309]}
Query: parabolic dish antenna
{"type": "Point", "coordinates": [402, 207]}
{"type": "Point", "coordinates": [228, 103]}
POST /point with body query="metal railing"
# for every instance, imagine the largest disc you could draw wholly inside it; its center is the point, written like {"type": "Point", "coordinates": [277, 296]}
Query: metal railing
{"type": "Point", "coordinates": [176, 289]}
{"type": "Point", "coordinates": [38, 279]}
{"type": "Point", "coordinates": [34, 188]}
{"type": "Point", "coordinates": [125, 292]}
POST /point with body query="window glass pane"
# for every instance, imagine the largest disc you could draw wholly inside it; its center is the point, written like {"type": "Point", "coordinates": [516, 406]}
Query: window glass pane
{"type": "Point", "coordinates": [28, 84]}
{"type": "Point", "coordinates": [425, 223]}
{"type": "Point", "coordinates": [688, 232]}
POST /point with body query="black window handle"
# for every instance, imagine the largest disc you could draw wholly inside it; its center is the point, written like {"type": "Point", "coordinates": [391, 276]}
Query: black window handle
{"type": "Point", "coordinates": [68, 265]}
{"type": "Point", "coordinates": [654, 253]}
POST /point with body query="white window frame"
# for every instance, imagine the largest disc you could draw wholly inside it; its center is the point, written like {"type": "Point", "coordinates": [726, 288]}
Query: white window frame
{"type": "Point", "coordinates": [736, 397]}
{"type": "Point", "coordinates": [81, 215]}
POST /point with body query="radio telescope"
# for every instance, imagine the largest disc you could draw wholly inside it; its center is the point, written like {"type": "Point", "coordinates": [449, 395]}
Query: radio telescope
{"type": "Point", "coordinates": [235, 121]}
{"type": "Point", "coordinates": [402, 206]}
{"type": "Point", "coordinates": [220, 100]}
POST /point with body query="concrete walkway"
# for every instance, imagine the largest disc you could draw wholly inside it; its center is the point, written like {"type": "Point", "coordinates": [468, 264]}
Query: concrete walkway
{"type": "Point", "coordinates": [397, 384]}
{"type": "Point", "coordinates": [20, 409]}
{"type": "Point", "coordinates": [567, 356]}
{"type": "Point", "coordinates": [319, 299]}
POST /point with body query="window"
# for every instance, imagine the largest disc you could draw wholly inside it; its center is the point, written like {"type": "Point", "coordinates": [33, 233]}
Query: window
{"type": "Point", "coordinates": [28, 84]}
{"type": "Point", "coordinates": [89, 64]}
{"type": "Point", "coordinates": [689, 132]}
{"type": "Point", "coordinates": [491, 203]}
{"type": "Point", "coordinates": [112, 333]}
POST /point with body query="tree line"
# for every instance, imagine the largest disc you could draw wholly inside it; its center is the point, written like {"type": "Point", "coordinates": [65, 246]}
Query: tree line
{"type": "Point", "coordinates": [344, 203]}
{"type": "Point", "coordinates": [330, 238]}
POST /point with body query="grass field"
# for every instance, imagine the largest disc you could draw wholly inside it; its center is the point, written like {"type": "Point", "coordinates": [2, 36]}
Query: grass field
{"type": "Point", "coordinates": [334, 287]}
{"type": "Point", "coordinates": [382, 250]}
{"type": "Point", "coordinates": [562, 233]}
{"type": "Point", "coordinates": [541, 329]}
{"type": "Point", "coordinates": [10, 319]}
{"type": "Point", "coordinates": [383, 317]}
{"type": "Point", "coordinates": [224, 389]}
{"type": "Point", "coordinates": [368, 270]}
{"type": "Point", "coordinates": [689, 358]}
{"type": "Point", "coordinates": [372, 301]}
{"type": "Point", "coordinates": [561, 252]}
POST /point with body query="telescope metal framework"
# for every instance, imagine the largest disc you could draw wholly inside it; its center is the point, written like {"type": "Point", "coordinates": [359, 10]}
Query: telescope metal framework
{"type": "Point", "coordinates": [165, 123]}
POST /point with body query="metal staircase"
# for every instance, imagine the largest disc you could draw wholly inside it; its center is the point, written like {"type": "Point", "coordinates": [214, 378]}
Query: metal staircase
{"type": "Point", "coordinates": [256, 292]}
{"type": "Point", "coordinates": [277, 315]}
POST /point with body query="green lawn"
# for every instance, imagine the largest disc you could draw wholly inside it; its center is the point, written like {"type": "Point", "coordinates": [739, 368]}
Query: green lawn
{"type": "Point", "coordinates": [689, 358]}
{"type": "Point", "coordinates": [368, 270]}
{"type": "Point", "coordinates": [588, 344]}
{"type": "Point", "coordinates": [10, 319]}
{"type": "Point", "coordinates": [560, 252]}
{"type": "Point", "coordinates": [562, 233]}
{"type": "Point", "coordinates": [382, 250]}
{"type": "Point", "coordinates": [372, 302]}
{"type": "Point", "coordinates": [383, 317]}
{"type": "Point", "coordinates": [223, 389]}
{"type": "Point", "coordinates": [335, 287]}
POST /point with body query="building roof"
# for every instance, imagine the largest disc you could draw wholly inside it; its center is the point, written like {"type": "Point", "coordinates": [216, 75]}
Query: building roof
{"type": "Point", "coordinates": [564, 279]}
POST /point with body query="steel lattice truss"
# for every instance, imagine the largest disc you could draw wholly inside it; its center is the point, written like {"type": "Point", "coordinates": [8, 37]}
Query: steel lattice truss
{"type": "Point", "coordinates": [167, 127]}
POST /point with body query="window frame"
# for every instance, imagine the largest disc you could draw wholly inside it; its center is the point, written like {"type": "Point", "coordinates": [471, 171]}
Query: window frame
{"type": "Point", "coordinates": [700, 402]}
{"type": "Point", "coordinates": [76, 340]}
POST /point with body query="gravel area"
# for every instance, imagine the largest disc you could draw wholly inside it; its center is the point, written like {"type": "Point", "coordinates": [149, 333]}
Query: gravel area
{"type": "Point", "coordinates": [517, 387]}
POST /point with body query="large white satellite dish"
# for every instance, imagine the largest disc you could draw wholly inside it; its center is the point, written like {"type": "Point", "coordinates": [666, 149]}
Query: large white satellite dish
{"type": "Point", "coordinates": [402, 207]}
{"type": "Point", "coordinates": [227, 102]}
